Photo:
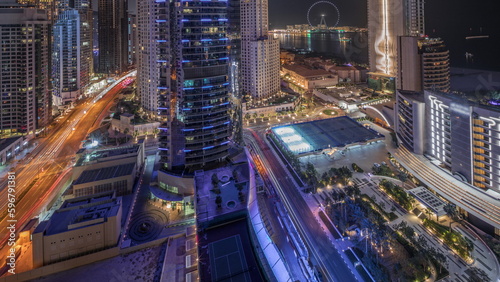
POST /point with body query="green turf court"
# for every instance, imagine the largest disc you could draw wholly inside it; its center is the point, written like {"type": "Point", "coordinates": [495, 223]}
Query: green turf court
{"type": "Point", "coordinates": [227, 260]}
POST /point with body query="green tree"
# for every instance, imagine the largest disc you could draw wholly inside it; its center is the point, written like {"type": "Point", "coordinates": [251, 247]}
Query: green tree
{"type": "Point", "coordinates": [451, 211]}
{"type": "Point", "coordinates": [478, 275]}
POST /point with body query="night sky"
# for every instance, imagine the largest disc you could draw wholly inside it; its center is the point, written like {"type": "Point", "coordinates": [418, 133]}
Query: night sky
{"type": "Point", "coordinates": [451, 20]}
{"type": "Point", "coordinates": [441, 15]}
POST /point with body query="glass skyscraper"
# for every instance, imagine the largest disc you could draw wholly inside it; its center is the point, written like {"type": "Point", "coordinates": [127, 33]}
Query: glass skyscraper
{"type": "Point", "coordinates": [185, 55]}
{"type": "Point", "coordinates": [195, 110]}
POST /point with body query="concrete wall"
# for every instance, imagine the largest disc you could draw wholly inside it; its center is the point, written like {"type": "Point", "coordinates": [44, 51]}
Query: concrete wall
{"type": "Point", "coordinates": [128, 178]}
{"type": "Point", "coordinates": [48, 249]}
{"type": "Point", "coordinates": [79, 261]}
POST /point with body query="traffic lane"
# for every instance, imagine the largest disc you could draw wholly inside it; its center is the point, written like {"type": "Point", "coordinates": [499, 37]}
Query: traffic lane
{"type": "Point", "coordinates": [59, 142]}
{"type": "Point", "coordinates": [326, 251]}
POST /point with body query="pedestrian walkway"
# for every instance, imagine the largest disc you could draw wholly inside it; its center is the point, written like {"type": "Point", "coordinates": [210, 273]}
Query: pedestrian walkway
{"type": "Point", "coordinates": [483, 257]}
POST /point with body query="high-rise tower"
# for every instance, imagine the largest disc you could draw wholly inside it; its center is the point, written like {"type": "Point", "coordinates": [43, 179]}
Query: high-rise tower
{"type": "Point", "coordinates": [388, 19]}
{"type": "Point", "coordinates": [72, 60]}
{"type": "Point", "coordinates": [414, 17]}
{"type": "Point", "coordinates": [25, 103]}
{"type": "Point", "coordinates": [66, 59]}
{"type": "Point", "coordinates": [151, 17]}
{"type": "Point", "coordinates": [184, 57]}
{"type": "Point", "coordinates": [259, 53]}
{"type": "Point", "coordinates": [113, 36]}
{"type": "Point", "coordinates": [423, 64]}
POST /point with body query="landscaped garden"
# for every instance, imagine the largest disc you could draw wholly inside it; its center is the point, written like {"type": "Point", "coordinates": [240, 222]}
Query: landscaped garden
{"type": "Point", "coordinates": [386, 254]}
{"type": "Point", "coordinates": [356, 168]}
{"type": "Point", "coordinates": [397, 193]}
{"type": "Point", "coordinates": [330, 112]}
{"type": "Point", "coordinates": [455, 240]}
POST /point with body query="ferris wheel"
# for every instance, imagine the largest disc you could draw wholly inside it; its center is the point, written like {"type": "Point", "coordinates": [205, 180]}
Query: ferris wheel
{"type": "Point", "coordinates": [323, 15]}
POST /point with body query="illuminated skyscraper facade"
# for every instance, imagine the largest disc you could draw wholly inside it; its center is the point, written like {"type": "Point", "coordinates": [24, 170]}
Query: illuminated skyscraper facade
{"type": "Point", "coordinates": [66, 58]}
{"type": "Point", "coordinates": [388, 19]}
{"type": "Point", "coordinates": [260, 60]}
{"type": "Point", "coordinates": [25, 103]}
{"type": "Point", "coordinates": [184, 81]}
{"type": "Point", "coordinates": [113, 36]}
{"type": "Point", "coordinates": [72, 60]}
{"type": "Point", "coordinates": [423, 64]}
{"type": "Point", "coordinates": [152, 17]}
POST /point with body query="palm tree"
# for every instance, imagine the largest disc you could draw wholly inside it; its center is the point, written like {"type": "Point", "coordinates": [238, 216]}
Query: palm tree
{"type": "Point", "coordinates": [429, 213]}
{"type": "Point", "coordinates": [451, 211]}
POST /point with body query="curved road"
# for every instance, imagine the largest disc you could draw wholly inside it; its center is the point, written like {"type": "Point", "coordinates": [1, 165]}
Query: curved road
{"type": "Point", "coordinates": [38, 175]}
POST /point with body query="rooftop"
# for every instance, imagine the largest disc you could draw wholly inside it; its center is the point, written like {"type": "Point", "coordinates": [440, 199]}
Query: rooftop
{"type": "Point", "coordinates": [90, 211]}
{"type": "Point", "coordinates": [228, 191]}
{"type": "Point", "coordinates": [429, 199]}
{"type": "Point", "coordinates": [307, 72]}
{"type": "Point", "coordinates": [6, 142]}
{"type": "Point", "coordinates": [323, 134]}
{"type": "Point", "coordinates": [105, 173]}
{"type": "Point", "coordinates": [106, 153]}
{"type": "Point", "coordinates": [415, 95]}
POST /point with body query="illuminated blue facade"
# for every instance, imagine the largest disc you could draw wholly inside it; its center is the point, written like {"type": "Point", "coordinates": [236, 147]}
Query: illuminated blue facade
{"type": "Point", "coordinates": [194, 88]}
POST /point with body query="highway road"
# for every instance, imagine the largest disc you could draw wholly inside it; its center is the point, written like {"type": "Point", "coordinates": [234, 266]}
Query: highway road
{"type": "Point", "coordinates": [49, 164]}
{"type": "Point", "coordinates": [323, 253]}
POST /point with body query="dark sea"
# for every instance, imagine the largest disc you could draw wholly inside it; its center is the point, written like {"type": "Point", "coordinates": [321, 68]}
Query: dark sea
{"type": "Point", "coordinates": [483, 53]}
{"type": "Point", "coordinates": [350, 47]}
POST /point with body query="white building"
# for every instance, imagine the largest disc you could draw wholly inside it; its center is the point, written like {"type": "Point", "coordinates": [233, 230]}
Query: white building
{"type": "Point", "coordinates": [260, 56]}
{"type": "Point", "coordinates": [25, 104]}
{"type": "Point", "coordinates": [150, 59]}
{"type": "Point", "coordinates": [459, 139]}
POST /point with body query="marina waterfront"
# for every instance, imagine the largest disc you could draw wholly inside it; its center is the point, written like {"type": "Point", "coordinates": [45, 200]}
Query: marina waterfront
{"type": "Point", "coordinates": [348, 47]}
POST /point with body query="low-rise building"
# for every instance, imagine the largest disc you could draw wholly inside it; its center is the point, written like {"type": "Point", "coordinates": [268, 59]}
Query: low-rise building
{"type": "Point", "coordinates": [81, 226]}
{"type": "Point", "coordinates": [272, 107]}
{"type": "Point", "coordinates": [286, 57]}
{"type": "Point", "coordinates": [108, 157]}
{"type": "Point", "coordinates": [307, 78]}
{"type": "Point", "coordinates": [127, 124]}
{"type": "Point", "coordinates": [10, 147]}
{"type": "Point", "coordinates": [348, 73]}
{"type": "Point", "coordinates": [119, 178]}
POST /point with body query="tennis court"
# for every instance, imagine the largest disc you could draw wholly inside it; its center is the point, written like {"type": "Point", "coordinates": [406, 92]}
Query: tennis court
{"type": "Point", "coordinates": [227, 260]}
{"type": "Point", "coordinates": [323, 134]}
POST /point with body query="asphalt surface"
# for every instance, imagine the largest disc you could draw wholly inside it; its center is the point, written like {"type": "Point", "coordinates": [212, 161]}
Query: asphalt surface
{"type": "Point", "coordinates": [321, 250]}
{"type": "Point", "coordinates": [49, 164]}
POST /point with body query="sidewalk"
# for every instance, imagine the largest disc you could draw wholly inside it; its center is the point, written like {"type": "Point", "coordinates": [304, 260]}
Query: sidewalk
{"type": "Point", "coordinates": [483, 258]}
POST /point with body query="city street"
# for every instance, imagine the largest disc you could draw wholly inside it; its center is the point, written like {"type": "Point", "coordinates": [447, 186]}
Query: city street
{"type": "Point", "coordinates": [322, 252]}
{"type": "Point", "coordinates": [38, 176]}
